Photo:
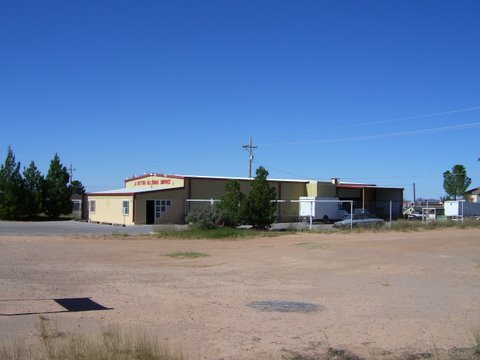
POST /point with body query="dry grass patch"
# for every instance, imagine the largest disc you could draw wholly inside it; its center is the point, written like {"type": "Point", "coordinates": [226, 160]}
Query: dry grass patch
{"type": "Point", "coordinates": [186, 254]}
{"type": "Point", "coordinates": [111, 344]}
{"type": "Point", "coordinates": [224, 233]}
{"type": "Point", "coordinates": [313, 245]}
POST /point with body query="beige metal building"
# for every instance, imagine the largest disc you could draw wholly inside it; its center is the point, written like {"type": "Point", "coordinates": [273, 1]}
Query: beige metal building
{"type": "Point", "coordinates": [167, 199]}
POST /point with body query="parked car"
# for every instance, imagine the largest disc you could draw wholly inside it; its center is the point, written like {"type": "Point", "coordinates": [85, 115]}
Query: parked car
{"type": "Point", "coordinates": [359, 219]}
{"type": "Point", "coordinates": [415, 216]}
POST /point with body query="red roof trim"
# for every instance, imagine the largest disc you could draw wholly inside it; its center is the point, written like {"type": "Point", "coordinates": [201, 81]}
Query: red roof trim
{"type": "Point", "coordinates": [154, 174]}
{"type": "Point", "coordinates": [365, 186]}
{"type": "Point", "coordinates": [355, 186]}
{"type": "Point", "coordinates": [106, 194]}
{"type": "Point", "coordinates": [135, 193]}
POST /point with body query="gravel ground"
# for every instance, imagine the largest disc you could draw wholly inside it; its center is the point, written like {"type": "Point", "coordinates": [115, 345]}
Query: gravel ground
{"type": "Point", "coordinates": [368, 293]}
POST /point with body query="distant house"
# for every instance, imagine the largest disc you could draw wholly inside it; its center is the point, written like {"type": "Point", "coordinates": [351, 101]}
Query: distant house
{"type": "Point", "coordinates": [473, 195]}
{"type": "Point", "coordinates": [80, 206]}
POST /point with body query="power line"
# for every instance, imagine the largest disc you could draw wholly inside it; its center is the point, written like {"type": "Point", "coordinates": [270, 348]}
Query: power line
{"type": "Point", "coordinates": [381, 136]}
{"type": "Point", "coordinates": [367, 123]}
{"type": "Point", "coordinates": [422, 116]}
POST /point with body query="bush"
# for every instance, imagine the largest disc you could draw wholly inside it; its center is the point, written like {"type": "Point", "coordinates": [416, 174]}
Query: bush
{"type": "Point", "coordinates": [205, 217]}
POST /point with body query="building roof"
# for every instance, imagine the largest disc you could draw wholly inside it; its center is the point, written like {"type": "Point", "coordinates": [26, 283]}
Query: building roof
{"type": "Point", "coordinates": [130, 191]}
{"type": "Point", "coordinates": [135, 177]}
{"type": "Point", "coordinates": [364, 186]}
{"type": "Point", "coordinates": [474, 191]}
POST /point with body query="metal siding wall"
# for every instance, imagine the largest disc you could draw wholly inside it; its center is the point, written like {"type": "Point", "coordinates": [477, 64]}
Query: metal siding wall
{"type": "Point", "coordinates": [291, 191]}
{"type": "Point", "coordinates": [349, 193]}
{"type": "Point", "coordinates": [389, 194]}
{"type": "Point", "coordinates": [213, 188]}
{"type": "Point", "coordinates": [207, 188]}
{"type": "Point", "coordinates": [326, 189]}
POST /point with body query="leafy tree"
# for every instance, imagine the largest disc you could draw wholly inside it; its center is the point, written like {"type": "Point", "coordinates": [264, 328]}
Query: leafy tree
{"type": "Point", "coordinates": [77, 187]}
{"type": "Point", "coordinates": [260, 209]}
{"type": "Point", "coordinates": [12, 188]}
{"type": "Point", "coordinates": [456, 182]}
{"type": "Point", "coordinates": [57, 194]}
{"type": "Point", "coordinates": [232, 204]}
{"type": "Point", "coordinates": [34, 186]}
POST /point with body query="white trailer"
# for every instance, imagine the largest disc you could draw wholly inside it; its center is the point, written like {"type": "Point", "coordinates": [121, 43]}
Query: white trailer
{"type": "Point", "coordinates": [324, 209]}
{"type": "Point", "coordinates": [461, 208]}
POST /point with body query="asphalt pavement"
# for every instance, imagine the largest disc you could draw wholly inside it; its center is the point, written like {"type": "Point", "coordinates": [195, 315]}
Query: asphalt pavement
{"type": "Point", "coordinates": [69, 228]}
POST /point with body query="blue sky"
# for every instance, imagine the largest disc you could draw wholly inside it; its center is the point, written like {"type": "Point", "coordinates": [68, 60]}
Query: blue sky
{"type": "Point", "coordinates": [384, 92]}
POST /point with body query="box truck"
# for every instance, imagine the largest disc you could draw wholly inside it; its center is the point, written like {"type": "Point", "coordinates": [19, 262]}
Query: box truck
{"type": "Point", "coordinates": [325, 209]}
{"type": "Point", "coordinates": [458, 208]}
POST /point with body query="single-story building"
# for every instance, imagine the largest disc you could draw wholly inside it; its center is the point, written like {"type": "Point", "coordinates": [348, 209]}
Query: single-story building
{"type": "Point", "coordinates": [166, 199]}
{"type": "Point", "coordinates": [473, 195]}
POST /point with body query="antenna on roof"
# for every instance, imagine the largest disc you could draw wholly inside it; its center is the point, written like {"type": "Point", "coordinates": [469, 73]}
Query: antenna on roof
{"type": "Point", "coordinates": [249, 147]}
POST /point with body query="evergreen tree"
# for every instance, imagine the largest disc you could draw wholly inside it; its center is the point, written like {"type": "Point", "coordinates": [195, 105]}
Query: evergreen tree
{"type": "Point", "coordinates": [456, 182]}
{"type": "Point", "coordinates": [34, 186]}
{"type": "Point", "coordinates": [232, 204]}
{"type": "Point", "coordinates": [77, 187]}
{"type": "Point", "coordinates": [260, 208]}
{"type": "Point", "coordinates": [57, 194]}
{"type": "Point", "coordinates": [12, 189]}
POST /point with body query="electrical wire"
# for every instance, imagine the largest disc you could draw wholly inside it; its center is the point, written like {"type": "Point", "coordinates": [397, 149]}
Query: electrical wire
{"type": "Point", "coordinates": [380, 136]}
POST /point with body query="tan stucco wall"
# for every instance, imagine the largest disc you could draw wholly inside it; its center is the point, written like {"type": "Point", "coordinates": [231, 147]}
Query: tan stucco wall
{"type": "Point", "coordinates": [174, 213]}
{"type": "Point", "coordinates": [109, 209]}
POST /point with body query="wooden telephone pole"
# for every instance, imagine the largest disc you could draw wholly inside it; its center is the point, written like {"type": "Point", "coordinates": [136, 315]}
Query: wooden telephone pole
{"type": "Point", "coordinates": [249, 147]}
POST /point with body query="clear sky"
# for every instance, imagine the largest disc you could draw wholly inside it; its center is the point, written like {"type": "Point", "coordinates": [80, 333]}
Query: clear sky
{"type": "Point", "coordinates": [383, 92]}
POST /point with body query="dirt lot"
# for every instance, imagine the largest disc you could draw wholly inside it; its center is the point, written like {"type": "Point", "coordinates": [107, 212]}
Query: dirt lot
{"type": "Point", "coordinates": [375, 291]}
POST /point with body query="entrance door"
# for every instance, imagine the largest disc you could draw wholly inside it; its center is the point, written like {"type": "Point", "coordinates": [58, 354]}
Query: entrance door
{"type": "Point", "coordinates": [150, 212]}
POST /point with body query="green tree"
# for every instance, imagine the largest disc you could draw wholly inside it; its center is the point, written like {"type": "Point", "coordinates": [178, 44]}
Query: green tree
{"type": "Point", "coordinates": [34, 186]}
{"type": "Point", "coordinates": [232, 204]}
{"type": "Point", "coordinates": [77, 187]}
{"type": "Point", "coordinates": [57, 195]}
{"type": "Point", "coordinates": [456, 182]}
{"type": "Point", "coordinates": [260, 208]}
{"type": "Point", "coordinates": [12, 189]}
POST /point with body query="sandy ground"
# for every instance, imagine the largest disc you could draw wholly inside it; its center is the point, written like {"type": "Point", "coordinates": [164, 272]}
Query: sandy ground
{"type": "Point", "coordinates": [375, 291]}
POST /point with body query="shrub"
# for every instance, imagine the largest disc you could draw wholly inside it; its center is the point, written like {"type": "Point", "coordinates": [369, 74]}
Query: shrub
{"type": "Point", "coordinates": [205, 217]}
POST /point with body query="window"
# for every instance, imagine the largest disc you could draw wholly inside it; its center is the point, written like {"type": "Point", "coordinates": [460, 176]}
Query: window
{"type": "Point", "coordinates": [77, 205]}
{"type": "Point", "coordinates": [92, 206]}
{"type": "Point", "coordinates": [125, 207]}
{"type": "Point", "coordinates": [161, 206]}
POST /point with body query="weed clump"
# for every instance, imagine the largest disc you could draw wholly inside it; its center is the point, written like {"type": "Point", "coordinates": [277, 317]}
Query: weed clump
{"type": "Point", "coordinates": [112, 344]}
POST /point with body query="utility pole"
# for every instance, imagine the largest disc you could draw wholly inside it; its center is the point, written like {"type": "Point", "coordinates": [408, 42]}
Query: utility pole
{"type": "Point", "coordinates": [414, 197]}
{"type": "Point", "coordinates": [71, 170]}
{"type": "Point", "coordinates": [249, 147]}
